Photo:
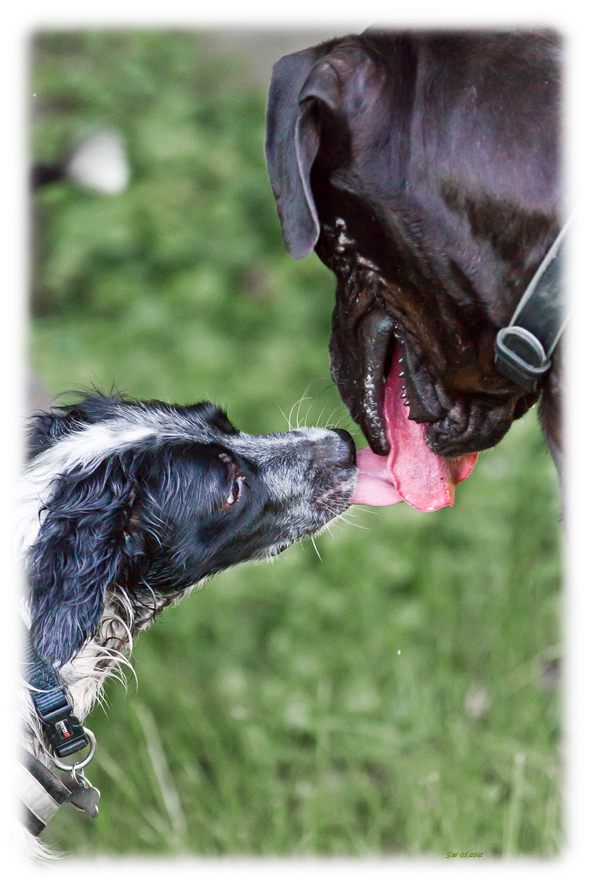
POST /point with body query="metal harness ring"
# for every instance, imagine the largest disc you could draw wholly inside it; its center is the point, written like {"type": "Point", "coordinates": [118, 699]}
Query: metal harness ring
{"type": "Point", "coordinates": [72, 767]}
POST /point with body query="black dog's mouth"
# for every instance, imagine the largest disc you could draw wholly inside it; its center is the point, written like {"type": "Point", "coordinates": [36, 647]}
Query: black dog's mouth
{"type": "Point", "coordinates": [453, 426]}
{"type": "Point", "coordinates": [382, 347]}
{"type": "Point", "coordinates": [424, 435]}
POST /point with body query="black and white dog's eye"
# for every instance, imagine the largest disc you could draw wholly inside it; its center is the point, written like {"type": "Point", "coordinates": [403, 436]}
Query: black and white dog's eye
{"type": "Point", "coordinates": [235, 491]}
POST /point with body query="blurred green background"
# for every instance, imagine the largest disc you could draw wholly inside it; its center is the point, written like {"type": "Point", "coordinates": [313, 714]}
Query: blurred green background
{"type": "Point", "coordinates": [401, 695]}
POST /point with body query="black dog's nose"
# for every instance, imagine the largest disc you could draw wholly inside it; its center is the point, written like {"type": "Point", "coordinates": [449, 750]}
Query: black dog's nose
{"type": "Point", "coordinates": [345, 456]}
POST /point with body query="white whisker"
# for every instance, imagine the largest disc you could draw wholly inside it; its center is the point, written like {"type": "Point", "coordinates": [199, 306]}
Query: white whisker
{"type": "Point", "coordinates": [355, 507]}
{"type": "Point", "coordinates": [289, 427]}
{"type": "Point", "coordinates": [315, 548]}
{"type": "Point", "coordinates": [356, 525]}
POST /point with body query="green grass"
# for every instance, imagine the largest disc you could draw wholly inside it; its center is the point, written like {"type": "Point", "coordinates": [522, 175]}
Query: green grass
{"type": "Point", "coordinates": [391, 698]}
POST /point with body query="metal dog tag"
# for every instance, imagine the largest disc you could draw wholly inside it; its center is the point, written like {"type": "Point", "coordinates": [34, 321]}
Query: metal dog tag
{"type": "Point", "coordinates": [83, 795]}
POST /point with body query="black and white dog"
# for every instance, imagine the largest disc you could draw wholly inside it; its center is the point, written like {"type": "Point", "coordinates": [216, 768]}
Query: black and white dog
{"type": "Point", "coordinates": [127, 505]}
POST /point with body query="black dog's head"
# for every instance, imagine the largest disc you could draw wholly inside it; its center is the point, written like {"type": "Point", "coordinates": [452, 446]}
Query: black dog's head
{"type": "Point", "coordinates": [424, 168]}
{"type": "Point", "coordinates": [150, 499]}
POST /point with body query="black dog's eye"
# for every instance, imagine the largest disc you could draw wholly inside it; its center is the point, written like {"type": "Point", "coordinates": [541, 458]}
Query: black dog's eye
{"type": "Point", "coordinates": [235, 491]}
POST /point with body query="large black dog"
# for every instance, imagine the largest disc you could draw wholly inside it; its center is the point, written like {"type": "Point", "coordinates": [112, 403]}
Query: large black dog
{"type": "Point", "coordinates": [424, 168]}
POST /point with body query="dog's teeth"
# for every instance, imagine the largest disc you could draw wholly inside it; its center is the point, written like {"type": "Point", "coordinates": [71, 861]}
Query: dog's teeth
{"type": "Point", "coordinates": [401, 374]}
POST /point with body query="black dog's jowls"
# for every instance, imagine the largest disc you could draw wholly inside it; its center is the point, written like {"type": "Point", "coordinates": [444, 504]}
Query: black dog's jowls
{"type": "Point", "coordinates": [147, 499]}
{"type": "Point", "coordinates": [424, 168]}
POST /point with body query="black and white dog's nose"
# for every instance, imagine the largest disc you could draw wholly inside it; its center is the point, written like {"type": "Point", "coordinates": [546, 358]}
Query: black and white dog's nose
{"type": "Point", "coordinates": [345, 449]}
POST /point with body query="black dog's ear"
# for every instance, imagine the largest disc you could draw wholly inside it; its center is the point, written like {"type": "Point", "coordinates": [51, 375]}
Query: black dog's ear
{"type": "Point", "coordinates": [77, 555]}
{"type": "Point", "coordinates": [293, 140]}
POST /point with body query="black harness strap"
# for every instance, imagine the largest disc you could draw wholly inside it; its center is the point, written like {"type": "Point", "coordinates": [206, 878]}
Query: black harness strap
{"type": "Point", "coordinates": [40, 792]}
{"type": "Point", "coordinates": [524, 348]}
{"type": "Point", "coordinates": [64, 731]}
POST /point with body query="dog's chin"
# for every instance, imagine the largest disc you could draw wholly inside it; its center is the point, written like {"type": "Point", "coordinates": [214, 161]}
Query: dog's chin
{"type": "Point", "coordinates": [471, 426]}
{"type": "Point", "coordinates": [453, 426]}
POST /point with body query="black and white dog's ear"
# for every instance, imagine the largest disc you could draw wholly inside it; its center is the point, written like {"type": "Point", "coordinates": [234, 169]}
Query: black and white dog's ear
{"type": "Point", "coordinates": [78, 553]}
{"type": "Point", "coordinates": [293, 140]}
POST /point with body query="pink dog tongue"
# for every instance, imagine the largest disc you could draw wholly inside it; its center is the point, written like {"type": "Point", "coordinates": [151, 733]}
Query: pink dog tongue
{"type": "Point", "coordinates": [410, 472]}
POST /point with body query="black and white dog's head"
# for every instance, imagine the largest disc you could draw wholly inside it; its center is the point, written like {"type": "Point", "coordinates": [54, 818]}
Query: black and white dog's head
{"type": "Point", "coordinates": [129, 504]}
